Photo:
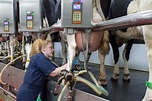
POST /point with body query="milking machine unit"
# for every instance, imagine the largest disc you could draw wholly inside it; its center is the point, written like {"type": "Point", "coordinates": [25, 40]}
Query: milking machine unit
{"type": "Point", "coordinates": [75, 15]}
{"type": "Point", "coordinates": [30, 15]}
{"type": "Point", "coordinates": [7, 16]}
{"type": "Point", "coordinates": [8, 24]}
{"type": "Point", "coordinates": [30, 21]}
{"type": "Point", "coordinates": [8, 28]}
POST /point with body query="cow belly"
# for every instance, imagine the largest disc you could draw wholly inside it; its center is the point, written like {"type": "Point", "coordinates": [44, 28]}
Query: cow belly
{"type": "Point", "coordinates": [93, 42]}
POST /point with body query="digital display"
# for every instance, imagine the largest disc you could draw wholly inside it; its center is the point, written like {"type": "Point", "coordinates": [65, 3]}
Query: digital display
{"type": "Point", "coordinates": [5, 23]}
{"type": "Point", "coordinates": [81, 0]}
{"type": "Point", "coordinates": [77, 6]}
{"type": "Point", "coordinates": [29, 17]}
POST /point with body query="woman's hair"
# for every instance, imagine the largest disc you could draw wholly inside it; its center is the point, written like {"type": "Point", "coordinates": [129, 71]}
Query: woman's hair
{"type": "Point", "coordinates": [37, 46]}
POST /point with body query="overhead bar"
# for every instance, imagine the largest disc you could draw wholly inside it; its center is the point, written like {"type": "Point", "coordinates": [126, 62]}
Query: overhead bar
{"type": "Point", "coordinates": [136, 19]}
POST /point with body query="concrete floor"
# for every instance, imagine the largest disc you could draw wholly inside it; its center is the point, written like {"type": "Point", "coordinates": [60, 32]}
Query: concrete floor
{"type": "Point", "coordinates": [118, 91]}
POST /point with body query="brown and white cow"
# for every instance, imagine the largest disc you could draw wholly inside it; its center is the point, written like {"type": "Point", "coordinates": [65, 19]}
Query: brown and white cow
{"type": "Point", "coordinates": [97, 40]}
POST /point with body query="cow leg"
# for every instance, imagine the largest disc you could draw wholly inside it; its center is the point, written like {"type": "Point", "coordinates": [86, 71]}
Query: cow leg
{"type": "Point", "coordinates": [125, 56]}
{"type": "Point", "coordinates": [23, 49]}
{"type": "Point", "coordinates": [64, 51]}
{"type": "Point", "coordinates": [8, 48]}
{"type": "Point", "coordinates": [5, 47]}
{"type": "Point", "coordinates": [63, 42]}
{"type": "Point", "coordinates": [28, 47]}
{"type": "Point", "coordinates": [11, 44]}
{"type": "Point", "coordinates": [115, 48]}
{"type": "Point", "coordinates": [71, 50]}
{"type": "Point", "coordinates": [102, 52]}
{"type": "Point", "coordinates": [148, 39]}
{"type": "Point", "coordinates": [102, 76]}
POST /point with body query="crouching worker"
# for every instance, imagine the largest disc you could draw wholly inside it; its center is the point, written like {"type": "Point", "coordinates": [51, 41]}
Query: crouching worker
{"type": "Point", "coordinates": [40, 67]}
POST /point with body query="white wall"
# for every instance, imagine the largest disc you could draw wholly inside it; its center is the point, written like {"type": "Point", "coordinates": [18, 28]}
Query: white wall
{"type": "Point", "coordinates": [138, 57]}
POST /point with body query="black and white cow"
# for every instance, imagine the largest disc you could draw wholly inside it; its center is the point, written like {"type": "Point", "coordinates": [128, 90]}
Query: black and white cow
{"type": "Point", "coordinates": [116, 9]}
{"type": "Point", "coordinates": [119, 8]}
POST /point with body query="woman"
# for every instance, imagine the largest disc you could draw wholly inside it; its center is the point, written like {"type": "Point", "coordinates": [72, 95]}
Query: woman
{"type": "Point", "coordinates": [40, 67]}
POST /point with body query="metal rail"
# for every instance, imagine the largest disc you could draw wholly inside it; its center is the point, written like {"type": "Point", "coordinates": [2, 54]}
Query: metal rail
{"type": "Point", "coordinates": [8, 93]}
{"type": "Point", "coordinates": [136, 19]}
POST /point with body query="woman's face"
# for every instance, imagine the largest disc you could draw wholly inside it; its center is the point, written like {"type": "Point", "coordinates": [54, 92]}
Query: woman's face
{"type": "Point", "coordinates": [48, 50]}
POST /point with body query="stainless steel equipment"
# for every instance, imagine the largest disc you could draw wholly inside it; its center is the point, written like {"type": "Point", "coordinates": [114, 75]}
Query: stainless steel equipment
{"type": "Point", "coordinates": [76, 13]}
{"type": "Point", "coordinates": [30, 15]}
{"type": "Point", "coordinates": [7, 16]}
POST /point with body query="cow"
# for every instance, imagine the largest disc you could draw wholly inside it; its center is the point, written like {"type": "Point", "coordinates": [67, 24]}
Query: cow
{"type": "Point", "coordinates": [75, 41]}
{"type": "Point", "coordinates": [116, 37]}
{"type": "Point", "coordinates": [52, 14]}
{"type": "Point", "coordinates": [119, 8]}
{"type": "Point", "coordinates": [138, 6]}
{"type": "Point", "coordinates": [97, 40]}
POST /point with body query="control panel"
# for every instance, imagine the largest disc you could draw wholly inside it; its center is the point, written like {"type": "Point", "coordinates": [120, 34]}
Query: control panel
{"type": "Point", "coordinates": [6, 24]}
{"type": "Point", "coordinates": [76, 13]}
{"type": "Point", "coordinates": [29, 19]}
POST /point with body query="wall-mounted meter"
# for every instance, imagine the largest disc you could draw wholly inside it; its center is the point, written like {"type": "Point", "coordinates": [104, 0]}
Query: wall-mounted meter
{"type": "Point", "coordinates": [6, 25]}
{"type": "Point", "coordinates": [76, 13]}
{"type": "Point", "coordinates": [7, 18]}
{"type": "Point", "coordinates": [30, 15]}
{"type": "Point", "coordinates": [29, 19]}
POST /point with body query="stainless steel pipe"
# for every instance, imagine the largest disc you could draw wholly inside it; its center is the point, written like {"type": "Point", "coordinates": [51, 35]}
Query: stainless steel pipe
{"type": "Point", "coordinates": [136, 19]}
{"type": "Point", "coordinates": [9, 94]}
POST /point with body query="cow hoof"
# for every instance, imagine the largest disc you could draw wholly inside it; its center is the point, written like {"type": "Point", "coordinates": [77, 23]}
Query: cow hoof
{"type": "Point", "coordinates": [102, 82]}
{"type": "Point", "coordinates": [126, 78]}
{"type": "Point", "coordinates": [114, 79]}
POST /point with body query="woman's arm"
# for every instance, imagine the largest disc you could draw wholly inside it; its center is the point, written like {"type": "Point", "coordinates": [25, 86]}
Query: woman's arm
{"type": "Point", "coordinates": [58, 70]}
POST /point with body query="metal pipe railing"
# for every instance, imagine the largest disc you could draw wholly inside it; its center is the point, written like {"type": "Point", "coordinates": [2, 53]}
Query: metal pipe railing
{"type": "Point", "coordinates": [8, 93]}
{"type": "Point", "coordinates": [136, 19]}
